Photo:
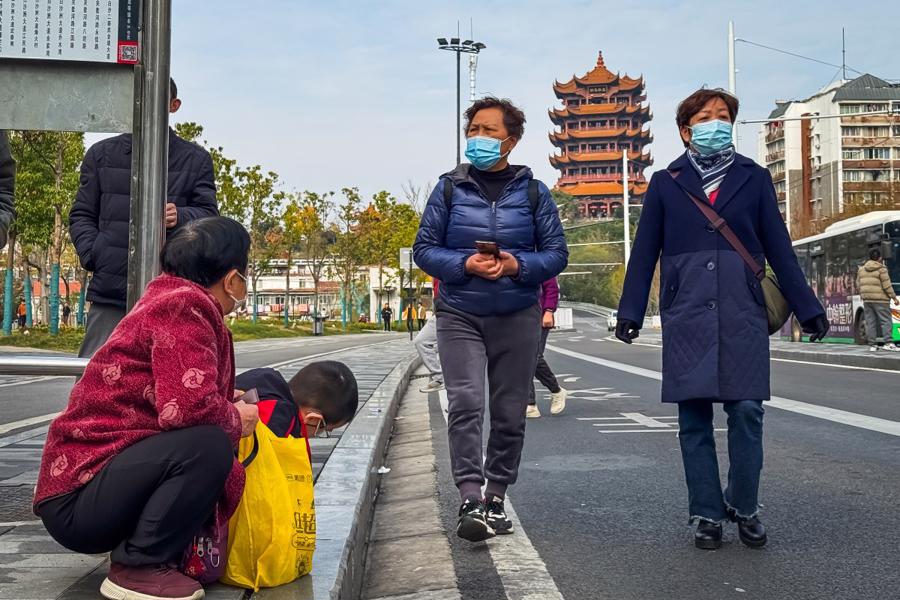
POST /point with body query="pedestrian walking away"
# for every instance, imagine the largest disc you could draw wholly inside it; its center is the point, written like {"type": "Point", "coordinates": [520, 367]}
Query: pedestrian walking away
{"type": "Point", "coordinates": [427, 346]}
{"type": "Point", "coordinates": [491, 234]}
{"type": "Point", "coordinates": [715, 329]}
{"type": "Point", "coordinates": [98, 221]}
{"type": "Point", "coordinates": [387, 314]}
{"type": "Point", "coordinates": [877, 293]}
{"type": "Point", "coordinates": [543, 372]}
{"type": "Point", "coordinates": [143, 456]}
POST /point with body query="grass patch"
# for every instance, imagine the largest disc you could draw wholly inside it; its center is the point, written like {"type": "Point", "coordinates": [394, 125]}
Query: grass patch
{"type": "Point", "coordinates": [68, 340]}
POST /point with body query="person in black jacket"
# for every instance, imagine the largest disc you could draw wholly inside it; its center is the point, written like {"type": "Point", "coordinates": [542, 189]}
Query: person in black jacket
{"type": "Point", "coordinates": [7, 188]}
{"type": "Point", "coordinates": [98, 221]}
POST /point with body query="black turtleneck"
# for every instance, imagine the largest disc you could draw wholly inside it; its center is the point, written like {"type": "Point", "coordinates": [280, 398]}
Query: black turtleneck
{"type": "Point", "coordinates": [492, 183]}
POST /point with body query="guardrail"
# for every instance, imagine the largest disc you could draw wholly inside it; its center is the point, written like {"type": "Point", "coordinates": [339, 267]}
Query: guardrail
{"type": "Point", "coordinates": [42, 365]}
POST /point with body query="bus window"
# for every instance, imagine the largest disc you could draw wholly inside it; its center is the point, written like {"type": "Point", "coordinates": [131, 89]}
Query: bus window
{"type": "Point", "coordinates": [892, 235]}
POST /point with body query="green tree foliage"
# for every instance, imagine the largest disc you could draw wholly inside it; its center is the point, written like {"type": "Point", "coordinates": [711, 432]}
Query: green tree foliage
{"type": "Point", "coordinates": [47, 180]}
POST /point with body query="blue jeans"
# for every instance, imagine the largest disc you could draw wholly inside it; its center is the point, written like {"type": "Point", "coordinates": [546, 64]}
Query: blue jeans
{"type": "Point", "coordinates": [701, 467]}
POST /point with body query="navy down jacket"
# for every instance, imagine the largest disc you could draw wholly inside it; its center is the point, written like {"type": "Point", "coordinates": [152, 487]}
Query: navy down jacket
{"type": "Point", "coordinates": [447, 239]}
{"type": "Point", "coordinates": [98, 221]}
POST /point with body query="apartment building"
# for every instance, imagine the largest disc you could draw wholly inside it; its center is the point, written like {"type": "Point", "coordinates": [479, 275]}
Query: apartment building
{"type": "Point", "coordinates": [834, 151]}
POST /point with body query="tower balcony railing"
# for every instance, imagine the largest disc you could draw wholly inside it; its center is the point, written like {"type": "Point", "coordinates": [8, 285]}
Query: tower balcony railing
{"type": "Point", "coordinates": [608, 177]}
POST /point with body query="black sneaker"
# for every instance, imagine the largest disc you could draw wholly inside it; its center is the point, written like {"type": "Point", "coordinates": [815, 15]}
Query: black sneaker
{"type": "Point", "coordinates": [496, 516]}
{"type": "Point", "coordinates": [472, 524]}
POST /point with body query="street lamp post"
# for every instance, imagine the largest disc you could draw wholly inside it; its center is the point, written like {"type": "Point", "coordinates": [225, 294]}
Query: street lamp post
{"type": "Point", "coordinates": [460, 47]}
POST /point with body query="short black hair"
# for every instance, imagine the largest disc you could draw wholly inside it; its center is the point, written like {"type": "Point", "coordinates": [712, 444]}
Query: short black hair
{"type": "Point", "coordinates": [329, 387]}
{"type": "Point", "coordinates": [173, 89]}
{"type": "Point", "coordinates": [513, 117]}
{"type": "Point", "coordinates": [874, 254]}
{"type": "Point", "coordinates": [205, 250]}
{"type": "Point", "coordinates": [694, 103]}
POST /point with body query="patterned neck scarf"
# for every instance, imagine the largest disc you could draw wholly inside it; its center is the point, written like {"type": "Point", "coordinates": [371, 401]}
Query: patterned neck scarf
{"type": "Point", "coordinates": [712, 168]}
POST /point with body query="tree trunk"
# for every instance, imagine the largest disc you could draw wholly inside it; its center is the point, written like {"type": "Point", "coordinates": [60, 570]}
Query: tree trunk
{"type": "Point", "coordinates": [56, 248]}
{"type": "Point", "coordinates": [8, 300]}
{"type": "Point", "coordinates": [28, 289]}
{"type": "Point", "coordinates": [287, 292]}
{"type": "Point", "coordinates": [253, 280]}
{"type": "Point", "coordinates": [81, 298]}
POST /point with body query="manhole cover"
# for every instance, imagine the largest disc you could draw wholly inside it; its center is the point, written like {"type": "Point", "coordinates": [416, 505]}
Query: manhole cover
{"type": "Point", "coordinates": [15, 503]}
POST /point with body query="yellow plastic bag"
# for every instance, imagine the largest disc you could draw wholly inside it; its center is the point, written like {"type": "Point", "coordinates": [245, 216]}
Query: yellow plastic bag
{"type": "Point", "coordinates": [272, 535]}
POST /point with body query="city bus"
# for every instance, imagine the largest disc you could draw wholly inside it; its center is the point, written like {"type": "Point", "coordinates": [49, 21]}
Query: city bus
{"type": "Point", "coordinates": [830, 262]}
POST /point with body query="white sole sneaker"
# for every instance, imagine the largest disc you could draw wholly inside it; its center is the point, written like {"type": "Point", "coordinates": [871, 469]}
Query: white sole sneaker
{"type": "Point", "coordinates": [532, 412]}
{"type": "Point", "coordinates": [558, 401]}
{"type": "Point", "coordinates": [113, 591]}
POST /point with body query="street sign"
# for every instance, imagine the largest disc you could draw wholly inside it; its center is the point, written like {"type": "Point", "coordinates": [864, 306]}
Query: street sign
{"type": "Point", "coordinates": [406, 259]}
{"type": "Point", "coordinates": [75, 30]}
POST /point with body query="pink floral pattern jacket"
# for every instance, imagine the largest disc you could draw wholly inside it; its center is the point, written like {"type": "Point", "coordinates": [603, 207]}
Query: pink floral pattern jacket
{"type": "Point", "coordinates": [168, 365]}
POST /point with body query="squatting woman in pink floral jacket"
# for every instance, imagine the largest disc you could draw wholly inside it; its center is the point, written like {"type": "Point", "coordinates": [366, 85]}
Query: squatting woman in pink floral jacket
{"type": "Point", "coordinates": [143, 455]}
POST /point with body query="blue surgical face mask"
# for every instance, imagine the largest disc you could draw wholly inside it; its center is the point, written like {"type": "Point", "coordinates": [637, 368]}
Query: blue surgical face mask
{"type": "Point", "coordinates": [483, 152]}
{"type": "Point", "coordinates": [711, 136]}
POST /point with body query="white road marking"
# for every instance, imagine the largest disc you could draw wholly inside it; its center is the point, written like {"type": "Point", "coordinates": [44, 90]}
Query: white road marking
{"type": "Point", "coordinates": [614, 418]}
{"type": "Point", "coordinates": [784, 360]}
{"type": "Point", "coordinates": [32, 380]}
{"type": "Point", "coordinates": [811, 410]}
{"type": "Point", "coordinates": [672, 431]}
{"type": "Point", "coordinates": [522, 572]}
{"type": "Point", "coordinates": [26, 422]}
{"type": "Point", "coordinates": [646, 421]}
{"type": "Point", "coordinates": [571, 379]}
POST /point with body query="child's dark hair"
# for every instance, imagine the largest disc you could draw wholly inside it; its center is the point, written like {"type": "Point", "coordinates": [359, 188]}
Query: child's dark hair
{"type": "Point", "coordinates": [329, 387]}
{"type": "Point", "coordinates": [205, 250]}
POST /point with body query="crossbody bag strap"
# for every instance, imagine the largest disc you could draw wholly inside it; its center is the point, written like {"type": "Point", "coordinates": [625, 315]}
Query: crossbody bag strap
{"type": "Point", "coordinates": [721, 225]}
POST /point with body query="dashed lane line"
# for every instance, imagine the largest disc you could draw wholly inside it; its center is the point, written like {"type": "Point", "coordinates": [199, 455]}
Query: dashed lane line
{"type": "Point", "coordinates": [811, 410]}
{"type": "Point", "coordinates": [522, 572]}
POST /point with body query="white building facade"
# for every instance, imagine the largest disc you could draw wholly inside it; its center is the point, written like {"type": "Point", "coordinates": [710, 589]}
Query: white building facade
{"type": "Point", "coordinates": [828, 151]}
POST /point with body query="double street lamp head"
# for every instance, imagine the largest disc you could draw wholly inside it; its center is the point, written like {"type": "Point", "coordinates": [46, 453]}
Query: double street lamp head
{"type": "Point", "coordinates": [455, 45]}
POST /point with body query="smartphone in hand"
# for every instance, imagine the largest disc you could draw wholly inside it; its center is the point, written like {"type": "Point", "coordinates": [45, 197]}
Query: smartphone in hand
{"type": "Point", "coordinates": [488, 248]}
{"type": "Point", "coordinates": [250, 397]}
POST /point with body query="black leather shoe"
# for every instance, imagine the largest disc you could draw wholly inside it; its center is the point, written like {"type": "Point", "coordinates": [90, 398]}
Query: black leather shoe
{"type": "Point", "coordinates": [752, 532]}
{"type": "Point", "coordinates": [708, 535]}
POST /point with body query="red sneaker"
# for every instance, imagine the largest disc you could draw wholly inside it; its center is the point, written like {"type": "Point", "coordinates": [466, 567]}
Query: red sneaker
{"type": "Point", "coordinates": [159, 582]}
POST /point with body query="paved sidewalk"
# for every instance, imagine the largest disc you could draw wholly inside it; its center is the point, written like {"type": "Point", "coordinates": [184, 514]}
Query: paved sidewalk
{"type": "Point", "coordinates": [34, 567]}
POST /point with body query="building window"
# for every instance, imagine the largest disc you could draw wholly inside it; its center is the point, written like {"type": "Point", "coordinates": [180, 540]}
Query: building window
{"type": "Point", "coordinates": [851, 131]}
{"type": "Point", "coordinates": [851, 109]}
{"type": "Point", "coordinates": [896, 130]}
{"type": "Point", "coordinates": [852, 154]}
{"type": "Point", "coordinates": [876, 153]}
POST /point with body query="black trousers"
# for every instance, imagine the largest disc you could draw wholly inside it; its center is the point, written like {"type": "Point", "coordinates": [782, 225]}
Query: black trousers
{"type": "Point", "coordinates": [148, 502]}
{"type": "Point", "coordinates": [543, 372]}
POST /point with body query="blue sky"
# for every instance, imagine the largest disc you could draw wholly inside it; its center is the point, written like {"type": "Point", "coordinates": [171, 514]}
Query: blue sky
{"type": "Point", "coordinates": [340, 93]}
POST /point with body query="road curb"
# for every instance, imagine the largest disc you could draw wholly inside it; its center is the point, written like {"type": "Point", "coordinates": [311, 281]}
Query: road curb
{"type": "Point", "coordinates": [345, 493]}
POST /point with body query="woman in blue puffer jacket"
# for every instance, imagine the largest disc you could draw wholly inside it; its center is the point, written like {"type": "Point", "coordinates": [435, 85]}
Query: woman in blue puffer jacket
{"type": "Point", "coordinates": [489, 311]}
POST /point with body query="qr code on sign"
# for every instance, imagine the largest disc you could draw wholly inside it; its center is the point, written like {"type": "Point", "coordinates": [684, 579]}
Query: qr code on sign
{"type": "Point", "coordinates": [128, 53]}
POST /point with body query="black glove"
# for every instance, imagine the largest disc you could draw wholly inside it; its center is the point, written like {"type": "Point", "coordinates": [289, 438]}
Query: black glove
{"type": "Point", "coordinates": [817, 327]}
{"type": "Point", "coordinates": [626, 330]}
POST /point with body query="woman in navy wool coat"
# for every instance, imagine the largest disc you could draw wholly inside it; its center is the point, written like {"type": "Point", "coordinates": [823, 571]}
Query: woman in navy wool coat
{"type": "Point", "coordinates": [715, 333]}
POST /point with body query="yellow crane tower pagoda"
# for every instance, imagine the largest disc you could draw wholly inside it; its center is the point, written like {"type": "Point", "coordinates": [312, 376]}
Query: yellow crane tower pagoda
{"type": "Point", "coordinates": [603, 115]}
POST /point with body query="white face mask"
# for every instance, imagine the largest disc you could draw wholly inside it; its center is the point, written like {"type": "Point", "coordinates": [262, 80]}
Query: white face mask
{"type": "Point", "coordinates": [239, 304]}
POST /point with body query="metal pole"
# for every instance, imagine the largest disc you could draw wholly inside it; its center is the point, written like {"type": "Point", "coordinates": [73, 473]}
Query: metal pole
{"type": "Point", "coordinates": [150, 148]}
{"type": "Point", "coordinates": [458, 111]}
{"type": "Point", "coordinates": [411, 295]}
{"type": "Point", "coordinates": [625, 210]}
{"type": "Point", "coordinates": [732, 73]}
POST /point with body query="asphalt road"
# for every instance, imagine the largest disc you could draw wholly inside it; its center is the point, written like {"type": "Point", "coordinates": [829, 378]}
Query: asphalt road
{"type": "Point", "coordinates": [602, 498]}
{"type": "Point", "coordinates": [24, 398]}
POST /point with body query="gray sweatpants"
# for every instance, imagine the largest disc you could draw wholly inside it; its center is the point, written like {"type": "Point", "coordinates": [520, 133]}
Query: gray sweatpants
{"type": "Point", "coordinates": [427, 346]}
{"type": "Point", "coordinates": [879, 325]}
{"type": "Point", "coordinates": [506, 346]}
{"type": "Point", "coordinates": [101, 320]}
